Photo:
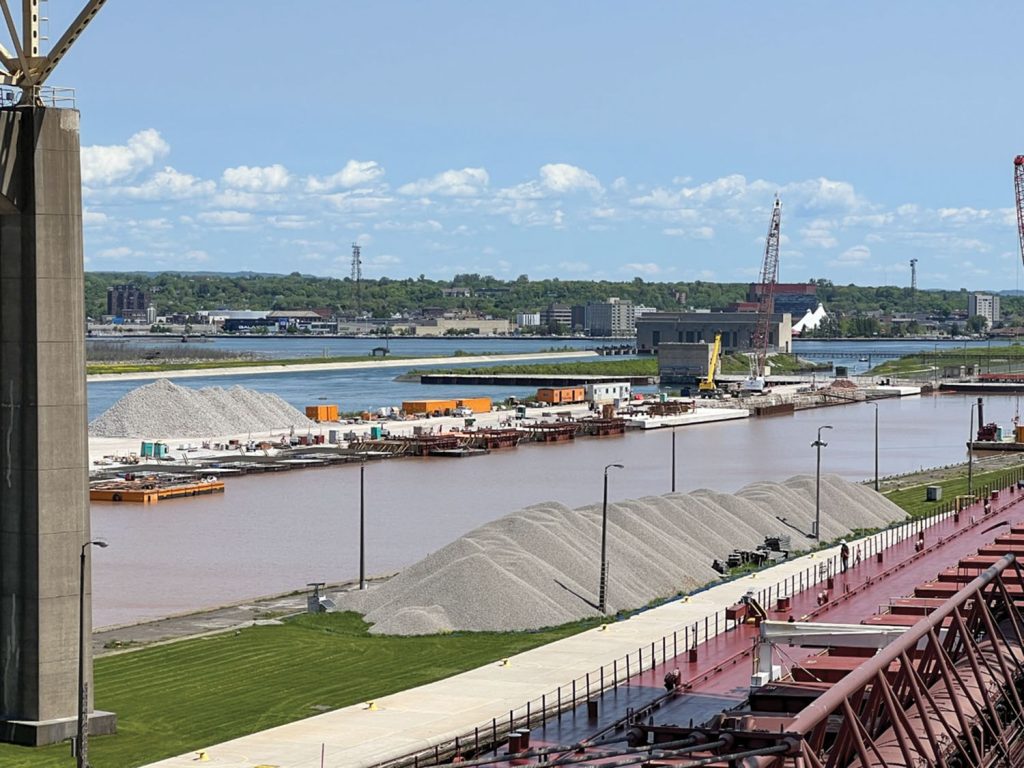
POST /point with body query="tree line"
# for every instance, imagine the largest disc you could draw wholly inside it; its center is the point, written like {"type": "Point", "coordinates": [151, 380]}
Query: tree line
{"type": "Point", "coordinates": [173, 292]}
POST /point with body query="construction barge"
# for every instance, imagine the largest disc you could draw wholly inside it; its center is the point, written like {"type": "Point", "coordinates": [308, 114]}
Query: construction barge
{"type": "Point", "coordinates": [149, 489]}
{"type": "Point", "coordinates": [910, 655]}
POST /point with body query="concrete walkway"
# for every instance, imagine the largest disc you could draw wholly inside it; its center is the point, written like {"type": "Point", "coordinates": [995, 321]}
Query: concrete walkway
{"type": "Point", "coordinates": [419, 719]}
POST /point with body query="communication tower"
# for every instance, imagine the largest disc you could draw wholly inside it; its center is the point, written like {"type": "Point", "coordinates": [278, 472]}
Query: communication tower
{"type": "Point", "coordinates": [357, 276]}
{"type": "Point", "coordinates": [913, 276]}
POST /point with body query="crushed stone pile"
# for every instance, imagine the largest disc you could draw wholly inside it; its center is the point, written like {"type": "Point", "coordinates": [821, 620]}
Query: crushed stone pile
{"type": "Point", "coordinates": [539, 566]}
{"type": "Point", "coordinates": [164, 409]}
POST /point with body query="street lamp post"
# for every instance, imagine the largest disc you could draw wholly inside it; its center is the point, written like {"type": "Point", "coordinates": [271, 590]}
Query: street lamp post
{"type": "Point", "coordinates": [82, 740]}
{"type": "Point", "coordinates": [673, 459]}
{"type": "Point", "coordinates": [970, 454]}
{"type": "Point", "coordinates": [876, 445]}
{"type": "Point", "coordinates": [603, 589]}
{"type": "Point", "coordinates": [817, 483]}
{"type": "Point", "coordinates": [362, 525]}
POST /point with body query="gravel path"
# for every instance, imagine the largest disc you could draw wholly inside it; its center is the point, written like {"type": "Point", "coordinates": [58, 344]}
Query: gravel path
{"type": "Point", "coordinates": [540, 566]}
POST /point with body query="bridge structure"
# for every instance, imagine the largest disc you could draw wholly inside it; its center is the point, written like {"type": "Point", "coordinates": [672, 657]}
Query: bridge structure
{"type": "Point", "coordinates": [45, 606]}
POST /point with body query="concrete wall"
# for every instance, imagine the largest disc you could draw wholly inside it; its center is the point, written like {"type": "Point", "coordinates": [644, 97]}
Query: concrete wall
{"type": "Point", "coordinates": [684, 363]}
{"type": "Point", "coordinates": [44, 507]}
{"type": "Point", "coordinates": [737, 329]}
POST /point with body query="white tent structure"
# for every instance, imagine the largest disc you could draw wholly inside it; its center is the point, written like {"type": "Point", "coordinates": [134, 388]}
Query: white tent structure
{"type": "Point", "coordinates": [810, 321]}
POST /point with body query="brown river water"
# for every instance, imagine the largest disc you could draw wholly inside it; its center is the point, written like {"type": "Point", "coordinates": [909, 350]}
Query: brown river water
{"type": "Point", "coordinates": [274, 533]}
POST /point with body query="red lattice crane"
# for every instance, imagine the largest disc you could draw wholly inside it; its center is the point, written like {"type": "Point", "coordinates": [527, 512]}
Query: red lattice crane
{"type": "Point", "coordinates": [766, 303]}
{"type": "Point", "coordinates": [1018, 183]}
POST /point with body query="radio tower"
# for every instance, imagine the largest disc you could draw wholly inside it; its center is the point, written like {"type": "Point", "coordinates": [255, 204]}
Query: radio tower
{"type": "Point", "coordinates": [357, 276]}
{"type": "Point", "coordinates": [913, 276]}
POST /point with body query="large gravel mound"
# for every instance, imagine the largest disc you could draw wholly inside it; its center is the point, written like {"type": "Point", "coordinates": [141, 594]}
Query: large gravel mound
{"type": "Point", "coordinates": [540, 566]}
{"type": "Point", "coordinates": [164, 409]}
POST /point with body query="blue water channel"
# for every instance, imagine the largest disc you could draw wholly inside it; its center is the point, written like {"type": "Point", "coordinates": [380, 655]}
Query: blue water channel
{"type": "Point", "coordinates": [372, 388]}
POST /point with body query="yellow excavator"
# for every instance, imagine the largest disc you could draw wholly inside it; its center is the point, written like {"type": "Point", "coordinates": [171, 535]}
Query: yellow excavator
{"type": "Point", "coordinates": [707, 386]}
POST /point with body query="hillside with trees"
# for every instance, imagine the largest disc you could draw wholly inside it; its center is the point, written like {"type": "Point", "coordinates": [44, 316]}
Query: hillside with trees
{"type": "Point", "coordinates": [384, 297]}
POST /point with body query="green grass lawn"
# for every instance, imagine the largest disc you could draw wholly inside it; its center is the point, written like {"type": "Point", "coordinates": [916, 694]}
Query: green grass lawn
{"type": "Point", "coordinates": [644, 366]}
{"type": "Point", "coordinates": [912, 499]}
{"type": "Point", "coordinates": [996, 359]}
{"type": "Point", "coordinates": [175, 698]}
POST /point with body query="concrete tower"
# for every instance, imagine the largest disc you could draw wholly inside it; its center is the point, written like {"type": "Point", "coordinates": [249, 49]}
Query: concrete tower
{"type": "Point", "coordinates": [44, 509]}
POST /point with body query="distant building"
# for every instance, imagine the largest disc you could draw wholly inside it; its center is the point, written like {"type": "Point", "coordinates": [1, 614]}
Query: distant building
{"type": "Point", "coordinates": [478, 326]}
{"type": "Point", "coordinates": [795, 298]}
{"type": "Point", "coordinates": [527, 319]}
{"type": "Point", "coordinates": [457, 291]}
{"type": "Point", "coordinates": [984, 304]}
{"type": "Point", "coordinates": [684, 363]}
{"type": "Point", "coordinates": [305, 320]}
{"type": "Point", "coordinates": [556, 314]}
{"type": "Point", "coordinates": [737, 329]}
{"type": "Point", "coordinates": [127, 301]}
{"type": "Point", "coordinates": [611, 318]}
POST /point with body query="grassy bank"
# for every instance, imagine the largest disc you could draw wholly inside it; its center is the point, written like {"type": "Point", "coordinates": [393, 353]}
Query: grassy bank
{"type": "Point", "coordinates": [996, 359]}
{"type": "Point", "coordinates": [175, 698]}
{"type": "Point", "coordinates": [644, 366]}
{"type": "Point", "coordinates": [912, 497]}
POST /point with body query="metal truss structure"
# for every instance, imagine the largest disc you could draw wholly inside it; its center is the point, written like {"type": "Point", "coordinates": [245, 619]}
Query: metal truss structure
{"type": "Point", "coordinates": [947, 692]}
{"type": "Point", "coordinates": [27, 67]}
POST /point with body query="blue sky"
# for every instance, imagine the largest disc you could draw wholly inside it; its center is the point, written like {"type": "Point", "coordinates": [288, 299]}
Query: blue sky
{"type": "Point", "coordinates": [571, 139]}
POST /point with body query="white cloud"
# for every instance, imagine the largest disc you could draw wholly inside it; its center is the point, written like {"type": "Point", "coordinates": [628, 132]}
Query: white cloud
{"type": "Point", "coordinates": [468, 182]}
{"type": "Point", "coordinates": [225, 218]}
{"type": "Point", "coordinates": [645, 268]}
{"type": "Point", "coordinates": [818, 234]}
{"type": "Point", "coordinates": [235, 198]}
{"type": "Point", "coordinates": [430, 225]}
{"type": "Point", "coordinates": [858, 254]}
{"type": "Point", "coordinates": [121, 252]}
{"type": "Point", "coordinates": [93, 218]}
{"type": "Point", "coordinates": [562, 177]}
{"type": "Point", "coordinates": [169, 184]}
{"type": "Point", "coordinates": [354, 174]}
{"type": "Point", "coordinates": [355, 201]}
{"type": "Point", "coordinates": [289, 221]}
{"type": "Point", "coordinates": [102, 165]}
{"type": "Point", "coordinates": [271, 178]}
{"type": "Point", "coordinates": [698, 233]}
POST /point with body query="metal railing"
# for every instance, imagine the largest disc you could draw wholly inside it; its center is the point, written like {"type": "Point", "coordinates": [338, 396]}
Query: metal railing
{"type": "Point", "coordinates": [44, 96]}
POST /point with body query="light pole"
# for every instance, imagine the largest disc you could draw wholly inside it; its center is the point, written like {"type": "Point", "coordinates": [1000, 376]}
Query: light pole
{"type": "Point", "coordinates": [876, 445]}
{"type": "Point", "coordinates": [82, 741]}
{"type": "Point", "coordinates": [603, 589]}
{"type": "Point", "coordinates": [673, 459]}
{"type": "Point", "coordinates": [362, 525]}
{"type": "Point", "coordinates": [817, 483]}
{"type": "Point", "coordinates": [970, 453]}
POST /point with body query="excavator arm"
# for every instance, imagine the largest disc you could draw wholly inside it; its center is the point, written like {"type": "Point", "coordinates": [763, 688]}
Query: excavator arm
{"type": "Point", "coordinates": [708, 384]}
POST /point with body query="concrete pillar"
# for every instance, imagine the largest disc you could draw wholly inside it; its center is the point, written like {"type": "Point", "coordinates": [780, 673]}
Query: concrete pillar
{"type": "Point", "coordinates": [44, 505]}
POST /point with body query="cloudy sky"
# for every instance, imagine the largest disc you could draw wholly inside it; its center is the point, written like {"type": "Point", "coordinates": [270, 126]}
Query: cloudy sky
{"type": "Point", "coordinates": [569, 139]}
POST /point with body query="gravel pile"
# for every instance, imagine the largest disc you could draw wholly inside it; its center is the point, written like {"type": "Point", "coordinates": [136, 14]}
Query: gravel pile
{"type": "Point", "coordinates": [539, 567]}
{"type": "Point", "coordinates": [164, 409]}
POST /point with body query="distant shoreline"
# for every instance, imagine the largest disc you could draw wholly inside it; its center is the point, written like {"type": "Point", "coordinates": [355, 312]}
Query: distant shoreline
{"type": "Point", "coordinates": [271, 368]}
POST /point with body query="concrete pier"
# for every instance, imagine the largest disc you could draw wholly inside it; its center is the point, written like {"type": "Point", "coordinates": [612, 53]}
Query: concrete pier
{"type": "Point", "coordinates": [44, 508]}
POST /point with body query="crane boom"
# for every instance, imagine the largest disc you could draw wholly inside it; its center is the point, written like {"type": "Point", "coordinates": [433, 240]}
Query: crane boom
{"type": "Point", "coordinates": [1018, 183]}
{"type": "Point", "coordinates": [766, 300]}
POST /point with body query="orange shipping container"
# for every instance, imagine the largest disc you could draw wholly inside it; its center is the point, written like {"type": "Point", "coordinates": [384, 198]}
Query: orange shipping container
{"type": "Point", "coordinates": [427, 406]}
{"type": "Point", "coordinates": [322, 412]}
{"type": "Point", "coordinates": [476, 404]}
{"type": "Point", "coordinates": [559, 395]}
